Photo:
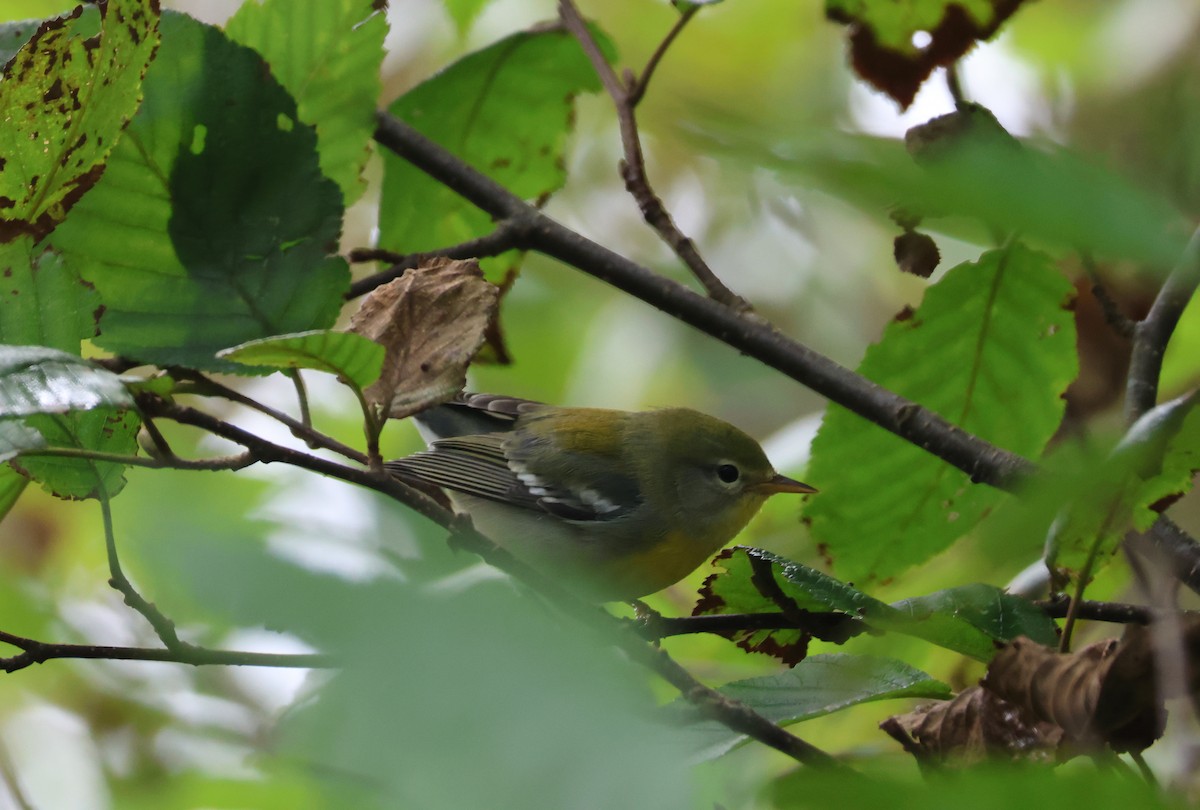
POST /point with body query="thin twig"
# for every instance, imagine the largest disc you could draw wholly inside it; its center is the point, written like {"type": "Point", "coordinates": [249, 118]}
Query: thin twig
{"type": "Point", "coordinates": [1117, 320]}
{"type": "Point", "coordinates": [954, 85]}
{"type": "Point", "coordinates": [828, 626]}
{"type": "Point", "coordinates": [234, 462]}
{"type": "Point", "coordinates": [1154, 332]}
{"type": "Point", "coordinates": [633, 167]}
{"type": "Point", "coordinates": [37, 652]}
{"type": "Point", "coordinates": [729, 712]}
{"type": "Point", "coordinates": [301, 397]}
{"type": "Point", "coordinates": [500, 240]}
{"type": "Point", "coordinates": [305, 433]}
{"type": "Point", "coordinates": [164, 628]}
{"type": "Point", "coordinates": [161, 446]}
{"type": "Point", "coordinates": [1115, 612]}
{"type": "Point", "coordinates": [637, 87]}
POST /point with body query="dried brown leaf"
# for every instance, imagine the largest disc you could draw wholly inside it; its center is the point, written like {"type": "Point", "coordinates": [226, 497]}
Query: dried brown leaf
{"type": "Point", "coordinates": [974, 726]}
{"type": "Point", "coordinates": [1105, 693]}
{"type": "Point", "coordinates": [431, 321]}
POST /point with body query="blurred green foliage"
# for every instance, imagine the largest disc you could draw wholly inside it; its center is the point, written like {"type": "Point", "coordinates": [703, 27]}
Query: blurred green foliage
{"type": "Point", "coordinates": [217, 220]}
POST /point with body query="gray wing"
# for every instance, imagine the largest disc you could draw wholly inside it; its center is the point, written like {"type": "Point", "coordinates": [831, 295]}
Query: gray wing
{"type": "Point", "coordinates": [472, 414]}
{"type": "Point", "coordinates": [479, 466]}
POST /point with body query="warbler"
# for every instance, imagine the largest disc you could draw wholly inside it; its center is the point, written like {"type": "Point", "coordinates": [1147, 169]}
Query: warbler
{"type": "Point", "coordinates": [624, 503]}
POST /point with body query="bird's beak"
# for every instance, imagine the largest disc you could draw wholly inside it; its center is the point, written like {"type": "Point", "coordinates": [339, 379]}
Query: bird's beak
{"type": "Point", "coordinates": [781, 483]}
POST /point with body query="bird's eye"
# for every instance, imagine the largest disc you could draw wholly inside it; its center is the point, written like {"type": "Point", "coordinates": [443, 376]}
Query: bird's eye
{"type": "Point", "coordinates": [728, 473]}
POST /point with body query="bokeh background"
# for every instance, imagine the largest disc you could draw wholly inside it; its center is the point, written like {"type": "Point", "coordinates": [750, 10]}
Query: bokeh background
{"type": "Point", "coordinates": [1116, 80]}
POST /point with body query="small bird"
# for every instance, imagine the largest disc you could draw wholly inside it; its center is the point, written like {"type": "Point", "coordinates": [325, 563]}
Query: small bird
{"type": "Point", "coordinates": [624, 503]}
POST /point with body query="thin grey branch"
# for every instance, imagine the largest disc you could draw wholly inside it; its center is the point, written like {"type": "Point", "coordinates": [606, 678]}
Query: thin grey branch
{"type": "Point", "coordinates": [1153, 333]}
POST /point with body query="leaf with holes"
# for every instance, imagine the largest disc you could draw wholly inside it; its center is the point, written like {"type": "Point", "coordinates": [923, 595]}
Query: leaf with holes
{"type": "Point", "coordinates": [757, 581]}
{"type": "Point", "coordinates": [327, 54]}
{"type": "Point", "coordinates": [213, 224]}
{"type": "Point", "coordinates": [65, 97]}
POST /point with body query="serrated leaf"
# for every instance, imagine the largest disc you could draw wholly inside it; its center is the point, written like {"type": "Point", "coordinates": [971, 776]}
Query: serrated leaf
{"type": "Point", "coordinates": [735, 591]}
{"type": "Point", "coordinates": [882, 45]}
{"type": "Point", "coordinates": [12, 484]}
{"type": "Point", "coordinates": [1002, 616]}
{"type": "Point", "coordinates": [42, 302]}
{"type": "Point", "coordinates": [1151, 466]}
{"type": "Point", "coordinates": [327, 53]}
{"type": "Point", "coordinates": [64, 100]}
{"type": "Point", "coordinates": [213, 223]}
{"type": "Point", "coordinates": [39, 380]}
{"type": "Point", "coordinates": [100, 429]}
{"type": "Point", "coordinates": [506, 110]}
{"type": "Point", "coordinates": [817, 686]}
{"type": "Point", "coordinates": [991, 348]}
{"type": "Point", "coordinates": [351, 357]}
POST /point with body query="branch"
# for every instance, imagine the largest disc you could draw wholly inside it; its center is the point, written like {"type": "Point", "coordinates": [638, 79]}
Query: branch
{"type": "Point", "coordinates": [500, 240]}
{"type": "Point", "coordinates": [37, 652]}
{"type": "Point", "coordinates": [736, 715]}
{"type": "Point", "coordinates": [982, 461]}
{"type": "Point", "coordinates": [303, 432]}
{"type": "Point", "coordinates": [1115, 612]}
{"type": "Point", "coordinates": [533, 230]}
{"type": "Point", "coordinates": [637, 87]}
{"type": "Point", "coordinates": [829, 626]}
{"type": "Point", "coordinates": [1118, 321]}
{"type": "Point", "coordinates": [633, 168]}
{"type": "Point", "coordinates": [1153, 333]}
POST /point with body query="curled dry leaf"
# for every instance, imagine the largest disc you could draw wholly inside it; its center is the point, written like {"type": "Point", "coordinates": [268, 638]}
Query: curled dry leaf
{"type": "Point", "coordinates": [431, 321]}
{"type": "Point", "coordinates": [1105, 693]}
{"type": "Point", "coordinates": [975, 725]}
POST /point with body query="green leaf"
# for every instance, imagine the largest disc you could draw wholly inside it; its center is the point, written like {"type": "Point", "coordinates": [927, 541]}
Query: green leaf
{"type": "Point", "coordinates": [15, 436]}
{"type": "Point", "coordinates": [992, 348]}
{"type": "Point", "coordinates": [13, 35]}
{"type": "Point", "coordinates": [213, 223]}
{"type": "Point", "coordinates": [893, 24]}
{"type": "Point", "coordinates": [327, 53]}
{"type": "Point", "coordinates": [819, 685]}
{"type": "Point", "coordinates": [1151, 466]}
{"type": "Point", "coordinates": [401, 717]}
{"type": "Point", "coordinates": [42, 301]}
{"type": "Point", "coordinates": [64, 100]}
{"type": "Point", "coordinates": [1002, 616]}
{"type": "Point", "coordinates": [986, 786]}
{"type": "Point", "coordinates": [39, 380]}
{"type": "Point", "coordinates": [507, 111]}
{"type": "Point", "coordinates": [103, 430]}
{"type": "Point", "coordinates": [12, 483]}
{"type": "Point", "coordinates": [735, 591]}
{"type": "Point", "coordinates": [352, 357]}
{"type": "Point", "coordinates": [464, 12]}
{"type": "Point", "coordinates": [1057, 197]}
